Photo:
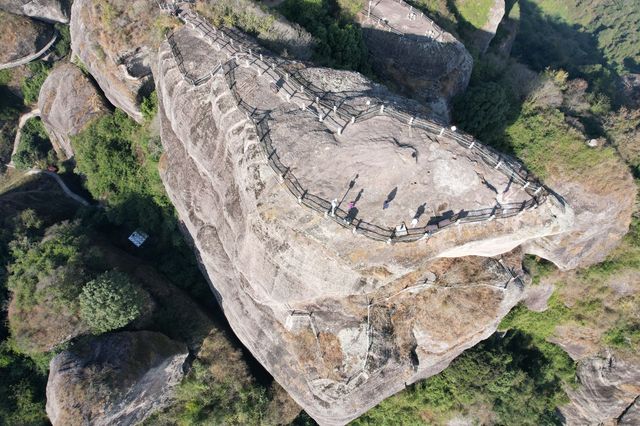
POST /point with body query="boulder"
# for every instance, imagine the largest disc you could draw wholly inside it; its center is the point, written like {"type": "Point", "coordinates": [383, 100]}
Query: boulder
{"type": "Point", "coordinates": [344, 305]}
{"type": "Point", "coordinates": [411, 50]}
{"type": "Point", "coordinates": [44, 10]}
{"type": "Point", "coordinates": [608, 394]}
{"type": "Point", "coordinates": [118, 378]}
{"type": "Point", "coordinates": [113, 39]}
{"type": "Point", "coordinates": [68, 102]}
{"type": "Point", "coordinates": [22, 39]}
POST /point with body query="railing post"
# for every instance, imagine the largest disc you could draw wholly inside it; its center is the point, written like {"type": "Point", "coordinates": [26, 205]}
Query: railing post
{"type": "Point", "coordinates": [382, 109]}
{"type": "Point", "coordinates": [441, 131]}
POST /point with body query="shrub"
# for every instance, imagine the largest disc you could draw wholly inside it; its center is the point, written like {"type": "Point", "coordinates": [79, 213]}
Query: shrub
{"type": "Point", "coordinates": [34, 148]}
{"type": "Point", "coordinates": [149, 106]}
{"type": "Point", "coordinates": [31, 85]}
{"type": "Point", "coordinates": [482, 110]}
{"type": "Point", "coordinates": [110, 302]}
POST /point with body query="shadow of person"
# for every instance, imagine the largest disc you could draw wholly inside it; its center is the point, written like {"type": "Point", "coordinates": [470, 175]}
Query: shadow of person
{"type": "Point", "coordinates": [392, 195]}
{"type": "Point", "coordinates": [420, 211]}
{"type": "Point", "coordinates": [351, 214]}
{"type": "Point", "coordinates": [358, 196]}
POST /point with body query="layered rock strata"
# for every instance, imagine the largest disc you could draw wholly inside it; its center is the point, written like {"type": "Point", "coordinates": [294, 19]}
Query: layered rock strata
{"type": "Point", "coordinates": [117, 378]}
{"type": "Point", "coordinates": [414, 52]}
{"type": "Point", "coordinates": [68, 102]}
{"type": "Point", "coordinates": [343, 303]}
{"type": "Point", "coordinates": [609, 393]}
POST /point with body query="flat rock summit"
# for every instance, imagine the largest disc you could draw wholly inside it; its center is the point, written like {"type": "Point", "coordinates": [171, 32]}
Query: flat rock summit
{"type": "Point", "coordinates": [340, 230]}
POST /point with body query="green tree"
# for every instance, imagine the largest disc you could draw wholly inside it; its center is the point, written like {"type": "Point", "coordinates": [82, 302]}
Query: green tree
{"type": "Point", "coordinates": [110, 301]}
{"type": "Point", "coordinates": [483, 110]}
{"type": "Point", "coordinates": [31, 85]}
{"type": "Point", "coordinates": [34, 148]}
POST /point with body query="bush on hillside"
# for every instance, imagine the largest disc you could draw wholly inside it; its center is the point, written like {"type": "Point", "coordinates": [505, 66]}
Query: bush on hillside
{"type": "Point", "coordinates": [34, 148]}
{"type": "Point", "coordinates": [110, 301]}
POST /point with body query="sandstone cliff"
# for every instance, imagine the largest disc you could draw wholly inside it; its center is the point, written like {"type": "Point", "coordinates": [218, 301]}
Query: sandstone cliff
{"type": "Point", "coordinates": [609, 393]}
{"type": "Point", "coordinates": [415, 53]}
{"type": "Point", "coordinates": [117, 378]}
{"type": "Point", "coordinates": [45, 10]}
{"type": "Point", "coordinates": [68, 101]}
{"type": "Point", "coordinates": [22, 38]}
{"type": "Point", "coordinates": [341, 310]}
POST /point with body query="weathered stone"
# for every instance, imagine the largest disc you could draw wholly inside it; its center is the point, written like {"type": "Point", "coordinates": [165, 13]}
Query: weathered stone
{"type": "Point", "coordinates": [118, 378]}
{"type": "Point", "coordinates": [45, 10]}
{"type": "Point", "coordinates": [341, 320]}
{"type": "Point", "coordinates": [410, 49]}
{"type": "Point", "coordinates": [68, 101]}
{"type": "Point", "coordinates": [113, 40]}
{"type": "Point", "coordinates": [484, 35]}
{"type": "Point", "coordinates": [22, 39]}
{"type": "Point", "coordinates": [608, 394]}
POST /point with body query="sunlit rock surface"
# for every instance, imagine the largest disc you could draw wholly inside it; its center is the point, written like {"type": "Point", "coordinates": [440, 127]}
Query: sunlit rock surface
{"type": "Point", "coordinates": [45, 10]}
{"type": "Point", "coordinates": [340, 318]}
{"type": "Point", "coordinates": [68, 102]}
{"type": "Point", "coordinates": [117, 378]}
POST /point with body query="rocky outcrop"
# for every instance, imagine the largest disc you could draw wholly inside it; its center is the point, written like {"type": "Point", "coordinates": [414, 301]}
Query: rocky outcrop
{"type": "Point", "coordinates": [68, 101]}
{"type": "Point", "coordinates": [117, 378]}
{"type": "Point", "coordinates": [609, 393]}
{"type": "Point", "coordinates": [485, 35]}
{"type": "Point", "coordinates": [603, 202]}
{"type": "Point", "coordinates": [22, 39]}
{"type": "Point", "coordinates": [415, 53]}
{"type": "Point", "coordinates": [113, 39]}
{"type": "Point", "coordinates": [44, 10]}
{"type": "Point", "coordinates": [341, 314]}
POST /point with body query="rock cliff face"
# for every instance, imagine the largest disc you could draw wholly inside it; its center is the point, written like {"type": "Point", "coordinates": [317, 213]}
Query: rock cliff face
{"type": "Point", "coordinates": [117, 378]}
{"type": "Point", "coordinates": [68, 101]}
{"type": "Point", "coordinates": [114, 39]}
{"type": "Point", "coordinates": [488, 31]}
{"type": "Point", "coordinates": [45, 10]}
{"type": "Point", "coordinates": [610, 393]}
{"type": "Point", "coordinates": [21, 37]}
{"type": "Point", "coordinates": [341, 317]}
{"type": "Point", "coordinates": [415, 53]}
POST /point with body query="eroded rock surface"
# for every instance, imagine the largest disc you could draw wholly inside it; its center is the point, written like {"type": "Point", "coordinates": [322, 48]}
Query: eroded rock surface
{"type": "Point", "coordinates": [488, 31]}
{"type": "Point", "coordinates": [608, 395]}
{"type": "Point", "coordinates": [68, 101]}
{"type": "Point", "coordinates": [415, 53]}
{"type": "Point", "coordinates": [114, 39]}
{"type": "Point", "coordinates": [21, 38]}
{"type": "Point", "coordinates": [340, 318]}
{"type": "Point", "coordinates": [45, 10]}
{"type": "Point", "coordinates": [117, 378]}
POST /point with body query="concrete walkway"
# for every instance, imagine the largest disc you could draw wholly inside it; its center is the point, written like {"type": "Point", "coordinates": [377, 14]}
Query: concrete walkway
{"type": "Point", "coordinates": [69, 193]}
{"type": "Point", "coordinates": [23, 119]}
{"type": "Point", "coordinates": [27, 59]}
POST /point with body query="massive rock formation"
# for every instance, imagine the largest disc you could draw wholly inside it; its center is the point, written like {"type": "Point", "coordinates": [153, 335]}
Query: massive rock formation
{"type": "Point", "coordinates": [346, 310]}
{"type": "Point", "coordinates": [22, 39]}
{"type": "Point", "coordinates": [115, 39]}
{"type": "Point", "coordinates": [68, 101]}
{"type": "Point", "coordinates": [415, 53]}
{"type": "Point", "coordinates": [45, 10]}
{"type": "Point", "coordinates": [485, 35]}
{"type": "Point", "coordinates": [609, 393]}
{"type": "Point", "coordinates": [117, 378]}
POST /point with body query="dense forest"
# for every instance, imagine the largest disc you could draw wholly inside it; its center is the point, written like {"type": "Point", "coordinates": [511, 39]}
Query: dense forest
{"type": "Point", "coordinates": [60, 263]}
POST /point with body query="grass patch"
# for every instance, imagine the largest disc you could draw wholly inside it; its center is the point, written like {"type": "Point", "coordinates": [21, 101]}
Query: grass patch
{"type": "Point", "coordinates": [475, 12]}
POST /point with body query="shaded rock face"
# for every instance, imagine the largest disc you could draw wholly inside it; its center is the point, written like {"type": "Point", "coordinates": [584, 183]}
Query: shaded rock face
{"type": "Point", "coordinates": [68, 102]}
{"type": "Point", "coordinates": [44, 10]}
{"type": "Point", "coordinates": [485, 35]}
{"type": "Point", "coordinates": [117, 378]}
{"type": "Point", "coordinates": [22, 37]}
{"type": "Point", "coordinates": [609, 393]}
{"type": "Point", "coordinates": [341, 320]}
{"type": "Point", "coordinates": [114, 39]}
{"type": "Point", "coordinates": [411, 50]}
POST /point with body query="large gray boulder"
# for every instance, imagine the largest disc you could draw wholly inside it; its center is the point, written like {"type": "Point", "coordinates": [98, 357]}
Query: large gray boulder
{"type": "Point", "coordinates": [44, 10]}
{"type": "Point", "coordinates": [68, 102]}
{"type": "Point", "coordinates": [608, 394]}
{"type": "Point", "coordinates": [340, 317]}
{"type": "Point", "coordinates": [118, 378]}
{"type": "Point", "coordinates": [22, 39]}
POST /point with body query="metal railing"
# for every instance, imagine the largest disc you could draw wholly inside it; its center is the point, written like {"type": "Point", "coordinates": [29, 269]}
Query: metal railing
{"type": "Point", "coordinates": [329, 105]}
